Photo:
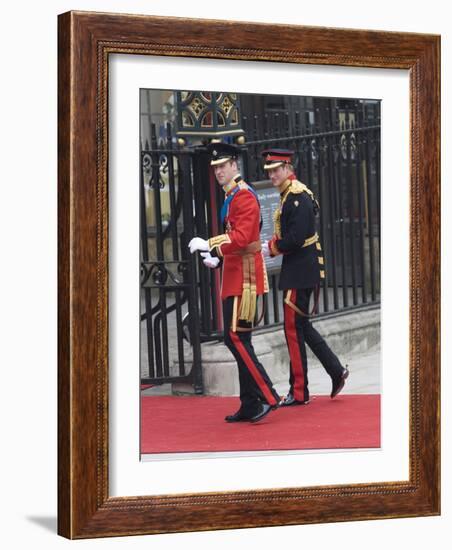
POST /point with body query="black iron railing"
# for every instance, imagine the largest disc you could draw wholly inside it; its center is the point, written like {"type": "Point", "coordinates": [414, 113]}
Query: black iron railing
{"type": "Point", "coordinates": [339, 160]}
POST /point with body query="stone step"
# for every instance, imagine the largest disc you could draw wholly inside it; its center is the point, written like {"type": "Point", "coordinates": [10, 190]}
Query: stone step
{"type": "Point", "coordinates": [350, 335]}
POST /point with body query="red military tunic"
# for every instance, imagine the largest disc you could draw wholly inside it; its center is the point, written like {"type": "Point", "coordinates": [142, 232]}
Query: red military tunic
{"type": "Point", "coordinates": [239, 247]}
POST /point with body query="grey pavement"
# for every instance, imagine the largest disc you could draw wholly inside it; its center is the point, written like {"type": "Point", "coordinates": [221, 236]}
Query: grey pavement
{"type": "Point", "coordinates": [364, 378]}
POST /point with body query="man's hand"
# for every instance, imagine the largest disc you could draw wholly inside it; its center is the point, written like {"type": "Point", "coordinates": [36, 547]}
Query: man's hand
{"type": "Point", "coordinates": [265, 250]}
{"type": "Point", "coordinates": [198, 244]}
{"type": "Point", "coordinates": [210, 261]}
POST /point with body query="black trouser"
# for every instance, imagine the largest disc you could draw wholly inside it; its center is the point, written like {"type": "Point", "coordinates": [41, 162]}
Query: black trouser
{"type": "Point", "coordinates": [255, 384]}
{"type": "Point", "coordinates": [299, 332]}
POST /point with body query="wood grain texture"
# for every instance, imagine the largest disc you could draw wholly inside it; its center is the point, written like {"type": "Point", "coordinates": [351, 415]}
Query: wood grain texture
{"type": "Point", "coordinates": [85, 42]}
{"type": "Point", "coordinates": [64, 294]}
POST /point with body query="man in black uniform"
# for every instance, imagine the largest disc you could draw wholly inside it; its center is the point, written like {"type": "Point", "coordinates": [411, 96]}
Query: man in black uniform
{"type": "Point", "coordinates": [302, 269]}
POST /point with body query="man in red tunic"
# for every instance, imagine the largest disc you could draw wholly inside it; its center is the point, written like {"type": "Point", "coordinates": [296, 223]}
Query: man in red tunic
{"type": "Point", "coordinates": [243, 279]}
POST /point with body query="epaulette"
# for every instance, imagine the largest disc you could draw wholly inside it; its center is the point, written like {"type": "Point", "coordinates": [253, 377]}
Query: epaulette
{"type": "Point", "coordinates": [242, 185]}
{"type": "Point", "coordinates": [296, 187]}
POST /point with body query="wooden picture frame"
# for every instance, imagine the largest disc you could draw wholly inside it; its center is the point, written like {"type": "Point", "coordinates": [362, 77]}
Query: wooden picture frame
{"type": "Point", "coordinates": [85, 508]}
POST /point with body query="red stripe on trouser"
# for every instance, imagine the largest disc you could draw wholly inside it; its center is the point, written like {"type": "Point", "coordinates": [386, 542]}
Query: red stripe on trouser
{"type": "Point", "coordinates": [294, 350]}
{"type": "Point", "coordinates": [254, 371]}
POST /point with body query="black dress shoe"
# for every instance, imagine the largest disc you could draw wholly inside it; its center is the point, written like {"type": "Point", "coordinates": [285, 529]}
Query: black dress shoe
{"type": "Point", "coordinates": [290, 400]}
{"type": "Point", "coordinates": [339, 382]}
{"type": "Point", "coordinates": [236, 417]}
{"type": "Point", "coordinates": [266, 408]}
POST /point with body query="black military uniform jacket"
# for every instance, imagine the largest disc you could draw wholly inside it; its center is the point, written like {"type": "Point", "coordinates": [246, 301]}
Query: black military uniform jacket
{"type": "Point", "coordinates": [296, 238]}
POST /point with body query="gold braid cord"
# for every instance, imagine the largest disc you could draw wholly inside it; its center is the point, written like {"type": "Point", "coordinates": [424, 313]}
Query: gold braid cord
{"type": "Point", "coordinates": [296, 187]}
{"type": "Point", "coordinates": [277, 222]}
{"type": "Point", "coordinates": [253, 290]}
{"type": "Point", "coordinates": [245, 304]}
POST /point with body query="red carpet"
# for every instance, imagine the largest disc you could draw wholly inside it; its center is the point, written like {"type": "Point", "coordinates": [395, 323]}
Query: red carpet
{"type": "Point", "coordinates": [175, 424]}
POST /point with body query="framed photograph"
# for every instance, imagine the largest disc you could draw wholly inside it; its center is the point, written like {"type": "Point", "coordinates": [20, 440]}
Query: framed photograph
{"type": "Point", "coordinates": [189, 381]}
{"type": "Point", "coordinates": [142, 102]}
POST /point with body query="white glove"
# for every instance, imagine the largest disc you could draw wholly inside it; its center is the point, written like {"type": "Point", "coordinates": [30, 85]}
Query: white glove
{"type": "Point", "coordinates": [198, 244]}
{"type": "Point", "coordinates": [266, 250]}
{"type": "Point", "coordinates": [209, 260]}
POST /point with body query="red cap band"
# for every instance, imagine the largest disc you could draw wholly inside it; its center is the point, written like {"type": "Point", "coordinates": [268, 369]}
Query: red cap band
{"type": "Point", "coordinates": [277, 158]}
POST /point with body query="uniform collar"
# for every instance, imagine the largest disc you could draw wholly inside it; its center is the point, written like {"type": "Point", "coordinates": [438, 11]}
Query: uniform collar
{"type": "Point", "coordinates": [229, 187]}
{"type": "Point", "coordinates": [286, 184]}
